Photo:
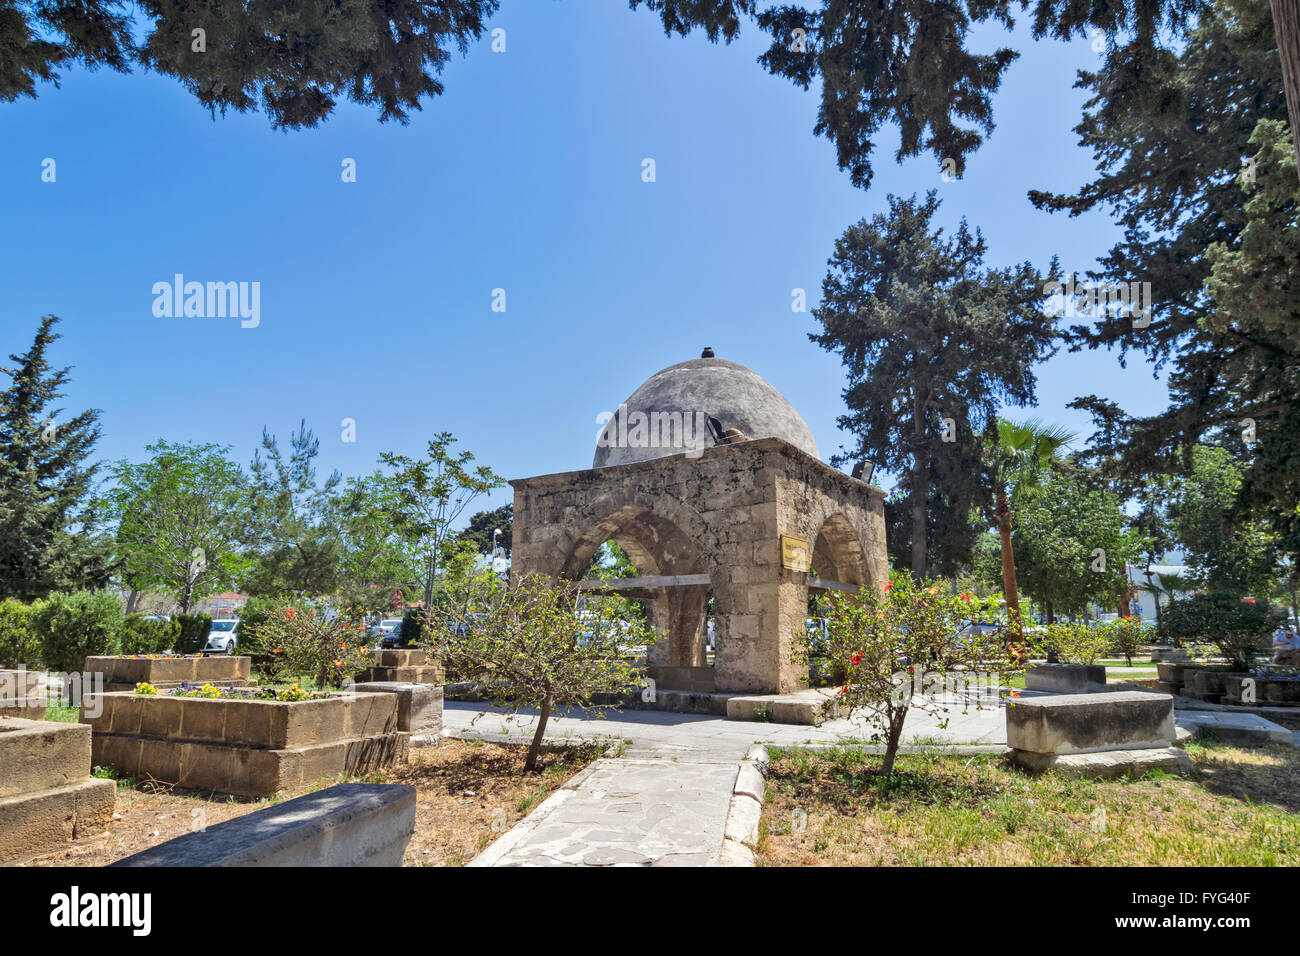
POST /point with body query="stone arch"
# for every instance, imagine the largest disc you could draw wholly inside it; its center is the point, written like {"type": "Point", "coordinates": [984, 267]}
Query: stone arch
{"type": "Point", "coordinates": [662, 537]}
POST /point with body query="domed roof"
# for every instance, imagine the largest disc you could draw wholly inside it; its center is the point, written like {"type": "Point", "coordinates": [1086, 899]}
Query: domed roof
{"type": "Point", "coordinates": [668, 415]}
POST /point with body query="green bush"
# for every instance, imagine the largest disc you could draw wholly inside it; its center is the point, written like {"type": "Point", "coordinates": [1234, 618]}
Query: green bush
{"type": "Point", "coordinates": [72, 627]}
{"type": "Point", "coordinates": [412, 624]}
{"type": "Point", "coordinates": [141, 636]}
{"type": "Point", "coordinates": [19, 647]}
{"type": "Point", "coordinates": [1076, 643]}
{"type": "Point", "coordinates": [194, 630]}
{"type": "Point", "coordinates": [1239, 629]}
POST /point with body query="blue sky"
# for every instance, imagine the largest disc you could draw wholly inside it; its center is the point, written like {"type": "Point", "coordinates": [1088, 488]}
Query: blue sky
{"type": "Point", "coordinates": [525, 175]}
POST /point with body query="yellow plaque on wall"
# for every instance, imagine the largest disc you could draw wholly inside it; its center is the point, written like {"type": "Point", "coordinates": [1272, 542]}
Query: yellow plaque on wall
{"type": "Point", "coordinates": [794, 553]}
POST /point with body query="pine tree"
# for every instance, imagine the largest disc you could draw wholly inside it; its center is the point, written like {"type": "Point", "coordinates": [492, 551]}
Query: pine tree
{"type": "Point", "coordinates": [1196, 162]}
{"type": "Point", "coordinates": [48, 538]}
{"type": "Point", "coordinates": [932, 342]}
{"type": "Point", "coordinates": [294, 60]}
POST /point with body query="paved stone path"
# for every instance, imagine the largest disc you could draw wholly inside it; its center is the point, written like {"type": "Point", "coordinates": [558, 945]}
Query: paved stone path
{"type": "Point", "coordinates": [665, 801]}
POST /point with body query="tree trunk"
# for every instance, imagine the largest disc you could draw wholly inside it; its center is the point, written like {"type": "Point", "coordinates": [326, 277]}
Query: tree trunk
{"type": "Point", "coordinates": [891, 747]}
{"type": "Point", "coordinates": [1286, 27]}
{"type": "Point", "coordinates": [918, 489]}
{"type": "Point", "coordinates": [536, 747]}
{"type": "Point", "coordinates": [1009, 590]}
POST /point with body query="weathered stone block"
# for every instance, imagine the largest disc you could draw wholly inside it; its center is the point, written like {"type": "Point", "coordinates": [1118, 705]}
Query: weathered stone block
{"type": "Point", "coordinates": [1079, 723]}
{"type": "Point", "coordinates": [1106, 764]}
{"type": "Point", "coordinates": [1066, 678]}
{"type": "Point", "coordinates": [246, 747]}
{"type": "Point", "coordinates": [159, 671]}
{"type": "Point", "coordinates": [40, 755]}
{"type": "Point", "coordinates": [419, 706]}
{"type": "Point", "coordinates": [46, 796]}
{"type": "Point", "coordinates": [37, 822]}
{"type": "Point", "coordinates": [349, 824]}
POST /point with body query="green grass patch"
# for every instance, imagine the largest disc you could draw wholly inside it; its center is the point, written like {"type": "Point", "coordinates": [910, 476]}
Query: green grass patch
{"type": "Point", "coordinates": [1237, 808]}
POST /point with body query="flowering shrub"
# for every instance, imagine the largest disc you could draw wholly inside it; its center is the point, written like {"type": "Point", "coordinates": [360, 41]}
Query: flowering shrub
{"type": "Point", "coordinates": [1126, 637]}
{"type": "Point", "coordinates": [331, 649]}
{"type": "Point", "coordinates": [906, 644]}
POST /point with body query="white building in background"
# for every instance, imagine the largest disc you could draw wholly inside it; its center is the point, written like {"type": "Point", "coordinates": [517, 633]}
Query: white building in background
{"type": "Point", "coordinates": [1143, 604]}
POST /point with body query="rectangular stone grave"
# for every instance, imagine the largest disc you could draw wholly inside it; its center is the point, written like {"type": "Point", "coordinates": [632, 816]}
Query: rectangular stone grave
{"type": "Point", "coordinates": [1066, 678]}
{"type": "Point", "coordinates": [403, 666]}
{"type": "Point", "coordinates": [419, 706]}
{"type": "Point", "coordinates": [350, 824]}
{"type": "Point", "coordinates": [123, 673]}
{"type": "Point", "coordinates": [253, 748]}
{"type": "Point", "coordinates": [1269, 691]}
{"type": "Point", "coordinates": [47, 796]}
{"type": "Point", "coordinates": [22, 694]}
{"type": "Point", "coordinates": [1092, 733]}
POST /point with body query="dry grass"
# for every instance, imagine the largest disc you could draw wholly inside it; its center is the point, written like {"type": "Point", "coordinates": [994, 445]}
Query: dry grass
{"type": "Point", "coordinates": [467, 794]}
{"type": "Point", "coordinates": [1238, 808]}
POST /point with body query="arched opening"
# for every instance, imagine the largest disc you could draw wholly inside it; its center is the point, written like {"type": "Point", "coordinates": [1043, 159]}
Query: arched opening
{"type": "Point", "coordinates": [668, 578]}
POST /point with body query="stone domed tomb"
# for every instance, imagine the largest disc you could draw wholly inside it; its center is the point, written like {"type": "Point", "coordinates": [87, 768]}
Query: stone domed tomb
{"type": "Point", "coordinates": [712, 482]}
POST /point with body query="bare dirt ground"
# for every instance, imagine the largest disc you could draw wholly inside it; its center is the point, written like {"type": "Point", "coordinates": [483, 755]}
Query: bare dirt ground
{"type": "Point", "coordinates": [467, 794]}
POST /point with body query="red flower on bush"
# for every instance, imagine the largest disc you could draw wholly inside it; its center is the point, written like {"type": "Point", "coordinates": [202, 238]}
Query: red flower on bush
{"type": "Point", "coordinates": [888, 585]}
{"type": "Point", "coordinates": [965, 597]}
{"type": "Point", "coordinates": [856, 660]}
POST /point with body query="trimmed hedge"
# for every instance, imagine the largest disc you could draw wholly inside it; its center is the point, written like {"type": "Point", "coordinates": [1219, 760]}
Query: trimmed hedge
{"type": "Point", "coordinates": [19, 647]}
{"type": "Point", "coordinates": [141, 636]}
{"type": "Point", "coordinates": [72, 627]}
{"type": "Point", "coordinates": [194, 630]}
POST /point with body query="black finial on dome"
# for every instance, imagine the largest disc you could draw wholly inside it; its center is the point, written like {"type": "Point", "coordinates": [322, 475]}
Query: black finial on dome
{"type": "Point", "coordinates": [707, 353]}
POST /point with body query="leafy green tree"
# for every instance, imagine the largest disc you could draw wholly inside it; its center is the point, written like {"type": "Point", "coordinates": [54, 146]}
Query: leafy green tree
{"type": "Point", "coordinates": [182, 518]}
{"type": "Point", "coordinates": [541, 644]}
{"type": "Point", "coordinates": [1019, 457]}
{"type": "Point", "coordinates": [901, 305]}
{"type": "Point", "coordinates": [907, 62]}
{"type": "Point", "coordinates": [49, 538]}
{"type": "Point", "coordinates": [481, 525]}
{"type": "Point", "coordinates": [293, 60]}
{"type": "Point", "coordinates": [1192, 159]}
{"type": "Point", "coordinates": [298, 546]}
{"type": "Point", "coordinates": [1072, 544]}
{"type": "Point", "coordinates": [431, 495]}
{"type": "Point", "coordinates": [1225, 551]}
{"type": "Point", "coordinates": [378, 565]}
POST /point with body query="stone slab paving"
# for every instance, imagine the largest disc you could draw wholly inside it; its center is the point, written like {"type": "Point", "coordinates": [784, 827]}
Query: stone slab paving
{"type": "Point", "coordinates": [628, 812]}
{"type": "Point", "coordinates": [662, 733]}
{"type": "Point", "coordinates": [665, 801]}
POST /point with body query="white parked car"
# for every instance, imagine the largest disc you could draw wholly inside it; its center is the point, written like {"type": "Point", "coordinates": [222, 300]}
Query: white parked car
{"type": "Point", "coordinates": [223, 638]}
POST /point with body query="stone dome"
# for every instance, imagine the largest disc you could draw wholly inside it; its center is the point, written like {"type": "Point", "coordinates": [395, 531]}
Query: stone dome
{"type": "Point", "coordinates": [668, 415]}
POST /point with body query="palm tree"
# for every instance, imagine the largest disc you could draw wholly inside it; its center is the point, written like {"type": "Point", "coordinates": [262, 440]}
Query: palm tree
{"type": "Point", "coordinates": [1021, 456]}
{"type": "Point", "coordinates": [1167, 583]}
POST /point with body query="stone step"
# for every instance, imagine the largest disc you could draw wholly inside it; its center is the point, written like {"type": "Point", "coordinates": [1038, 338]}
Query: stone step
{"type": "Point", "coordinates": [1106, 764]}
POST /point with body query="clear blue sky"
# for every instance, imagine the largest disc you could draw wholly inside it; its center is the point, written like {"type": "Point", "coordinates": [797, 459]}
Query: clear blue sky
{"type": "Point", "coordinates": [524, 175]}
